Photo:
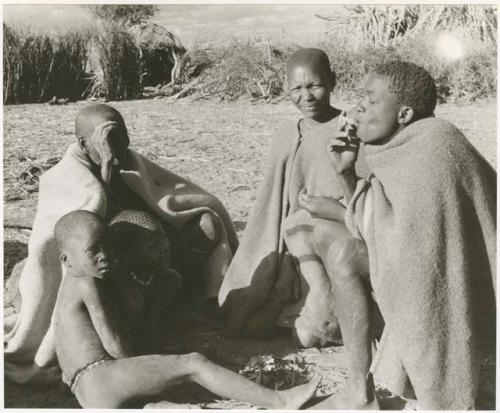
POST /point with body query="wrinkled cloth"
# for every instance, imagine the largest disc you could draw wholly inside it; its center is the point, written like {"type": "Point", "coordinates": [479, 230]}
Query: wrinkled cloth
{"type": "Point", "coordinates": [428, 216]}
{"type": "Point", "coordinates": [315, 310]}
{"type": "Point", "coordinates": [68, 186]}
{"type": "Point", "coordinates": [298, 161]}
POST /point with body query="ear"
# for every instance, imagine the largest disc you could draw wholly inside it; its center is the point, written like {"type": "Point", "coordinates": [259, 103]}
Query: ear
{"type": "Point", "coordinates": [405, 115]}
{"type": "Point", "coordinates": [81, 144]}
{"type": "Point", "coordinates": [65, 261]}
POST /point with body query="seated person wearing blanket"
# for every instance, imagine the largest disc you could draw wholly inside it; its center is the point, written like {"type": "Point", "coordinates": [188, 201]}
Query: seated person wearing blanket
{"type": "Point", "coordinates": [94, 353]}
{"type": "Point", "coordinates": [101, 174]}
{"type": "Point", "coordinates": [276, 277]}
{"type": "Point", "coordinates": [427, 214]}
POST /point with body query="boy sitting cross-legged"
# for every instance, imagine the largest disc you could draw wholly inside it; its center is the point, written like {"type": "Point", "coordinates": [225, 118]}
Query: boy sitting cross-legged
{"type": "Point", "coordinates": [93, 353]}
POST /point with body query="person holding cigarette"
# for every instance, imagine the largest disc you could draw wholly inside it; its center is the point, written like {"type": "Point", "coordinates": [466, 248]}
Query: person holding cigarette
{"type": "Point", "coordinates": [426, 215]}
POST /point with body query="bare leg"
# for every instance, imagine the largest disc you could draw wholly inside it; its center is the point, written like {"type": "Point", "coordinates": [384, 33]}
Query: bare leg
{"type": "Point", "coordinates": [306, 339]}
{"type": "Point", "coordinates": [114, 384]}
{"type": "Point", "coordinates": [346, 262]}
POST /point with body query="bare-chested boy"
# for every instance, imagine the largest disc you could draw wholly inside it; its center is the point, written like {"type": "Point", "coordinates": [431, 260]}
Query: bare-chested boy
{"type": "Point", "coordinates": [262, 283]}
{"type": "Point", "coordinates": [94, 355]}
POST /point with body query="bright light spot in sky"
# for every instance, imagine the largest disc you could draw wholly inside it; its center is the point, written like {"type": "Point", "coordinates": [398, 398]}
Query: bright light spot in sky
{"type": "Point", "coordinates": [449, 46]}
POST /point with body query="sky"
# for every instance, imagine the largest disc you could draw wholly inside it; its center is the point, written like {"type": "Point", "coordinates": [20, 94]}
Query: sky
{"type": "Point", "coordinates": [193, 21]}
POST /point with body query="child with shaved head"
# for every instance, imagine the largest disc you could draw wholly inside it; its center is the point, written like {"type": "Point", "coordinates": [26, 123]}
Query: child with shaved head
{"type": "Point", "coordinates": [276, 278]}
{"type": "Point", "coordinates": [94, 356]}
{"type": "Point", "coordinates": [427, 215]}
{"type": "Point", "coordinates": [100, 173]}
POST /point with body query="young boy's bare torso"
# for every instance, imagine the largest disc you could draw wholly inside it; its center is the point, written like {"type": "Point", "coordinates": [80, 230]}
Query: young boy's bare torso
{"type": "Point", "coordinates": [85, 330]}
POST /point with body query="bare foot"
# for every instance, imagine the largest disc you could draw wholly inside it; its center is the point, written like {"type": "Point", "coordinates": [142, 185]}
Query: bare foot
{"type": "Point", "coordinates": [169, 405]}
{"type": "Point", "coordinates": [294, 398]}
{"type": "Point", "coordinates": [345, 401]}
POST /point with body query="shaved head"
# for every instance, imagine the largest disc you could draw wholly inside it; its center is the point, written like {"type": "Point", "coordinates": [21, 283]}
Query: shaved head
{"type": "Point", "coordinates": [90, 120]}
{"type": "Point", "coordinates": [71, 226]}
{"type": "Point", "coordinates": [91, 116]}
{"type": "Point", "coordinates": [313, 59]}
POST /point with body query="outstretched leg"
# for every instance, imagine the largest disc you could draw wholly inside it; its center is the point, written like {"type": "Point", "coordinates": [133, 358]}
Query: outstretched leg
{"type": "Point", "coordinates": [346, 262]}
{"type": "Point", "coordinates": [118, 382]}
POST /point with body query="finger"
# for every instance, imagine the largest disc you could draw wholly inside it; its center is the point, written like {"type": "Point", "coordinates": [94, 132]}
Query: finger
{"type": "Point", "coordinates": [106, 170]}
{"type": "Point", "coordinates": [99, 129]}
{"type": "Point", "coordinates": [340, 140]}
{"type": "Point", "coordinates": [304, 202]}
{"type": "Point", "coordinates": [339, 134]}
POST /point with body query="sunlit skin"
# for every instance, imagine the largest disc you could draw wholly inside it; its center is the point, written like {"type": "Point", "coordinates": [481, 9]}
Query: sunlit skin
{"type": "Point", "coordinates": [380, 115]}
{"type": "Point", "coordinates": [88, 254]}
{"type": "Point", "coordinates": [309, 90]}
{"type": "Point", "coordinates": [102, 136]}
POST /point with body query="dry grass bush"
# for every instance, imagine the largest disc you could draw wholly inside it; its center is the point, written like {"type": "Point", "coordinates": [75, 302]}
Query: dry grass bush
{"type": "Point", "coordinates": [368, 35]}
{"type": "Point", "coordinates": [38, 66]}
{"type": "Point", "coordinates": [359, 40]}
{"type": "Point", "coordinates": [162, 54]}
{"type": "Point", "coordinates": [115, 63]}
{"type": "Point", "coordinates": [228, 71]}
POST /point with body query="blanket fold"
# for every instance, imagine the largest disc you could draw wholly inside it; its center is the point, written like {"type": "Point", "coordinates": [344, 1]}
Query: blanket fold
{"type": "Point", "coordinates": [431, 236]}
{"type": "Point", "coordinates": [68, 186]}
{"type": "Point", "coordinates": [298, 161]}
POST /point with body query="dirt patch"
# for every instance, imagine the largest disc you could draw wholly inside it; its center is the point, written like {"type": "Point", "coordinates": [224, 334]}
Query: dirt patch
{"type": "Point", "coordinates": [223, 148]}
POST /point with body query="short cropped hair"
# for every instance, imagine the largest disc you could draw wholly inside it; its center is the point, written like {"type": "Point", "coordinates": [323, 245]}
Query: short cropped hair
{"type": "Point", "coordinates": [412, 84]}
{"type": "Point", "coordinates": [127, 226]}
{"type": "Point", "coordinates": [313, 58]}
{"type": "Point", "coordinates": [73, 224]}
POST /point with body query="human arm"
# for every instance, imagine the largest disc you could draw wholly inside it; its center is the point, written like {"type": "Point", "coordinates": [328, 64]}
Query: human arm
{"type": "Point", "coordinates": [342, 150]}
{"type": "Point", "coordinates": [322, 207]}
{"type": "Point", "coordinates": [106, 327]}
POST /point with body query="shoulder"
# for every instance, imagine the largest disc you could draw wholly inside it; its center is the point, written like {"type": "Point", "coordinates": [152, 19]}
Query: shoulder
{"type": "Point", "coordinates": [284, 137]}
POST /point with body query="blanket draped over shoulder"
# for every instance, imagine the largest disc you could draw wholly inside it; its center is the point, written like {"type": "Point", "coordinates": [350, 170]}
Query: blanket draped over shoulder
{"type": "Point", "coordinates": [297, 161]}
{"type": "Point", "coordinates": [428, 215]}
{"type": "Point", "coordinates": [68, 186]}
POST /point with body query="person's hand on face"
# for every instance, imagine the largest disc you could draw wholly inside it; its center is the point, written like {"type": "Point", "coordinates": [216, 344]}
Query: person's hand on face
{"type": "Point", "coordinates": [104, 151]}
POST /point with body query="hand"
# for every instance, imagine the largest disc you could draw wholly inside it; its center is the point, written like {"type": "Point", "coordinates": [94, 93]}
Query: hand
{"type": "Point", "coordinates": [287, 286]}
{"type": "Point", "coordinates": [322, 206]}
{"type": "Point", "coordinates": [342, 151]}
{"type": "Point", "coordinates": [100, 142]}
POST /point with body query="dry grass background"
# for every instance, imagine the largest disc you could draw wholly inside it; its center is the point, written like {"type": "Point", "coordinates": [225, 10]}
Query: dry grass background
{"type": "Point", "coordinates": [220, 146]}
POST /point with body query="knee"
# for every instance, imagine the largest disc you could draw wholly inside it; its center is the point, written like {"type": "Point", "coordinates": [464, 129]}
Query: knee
{"type": "Point", "coordinates": [195, 361]}
{"type": "Point", "coordinates": [338, 249]}
{"type": "Point", "coordinates": [210, 227]}
{"type": "Point", "coordinates": [305, 339]}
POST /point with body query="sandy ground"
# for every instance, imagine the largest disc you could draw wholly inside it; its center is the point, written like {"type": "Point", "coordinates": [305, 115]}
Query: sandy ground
{"type": "Point", "coordinates": [223, 148]}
